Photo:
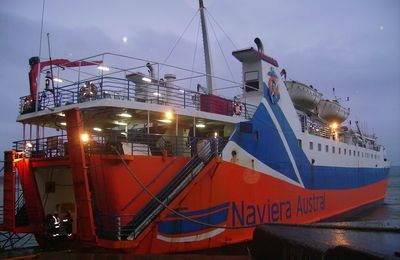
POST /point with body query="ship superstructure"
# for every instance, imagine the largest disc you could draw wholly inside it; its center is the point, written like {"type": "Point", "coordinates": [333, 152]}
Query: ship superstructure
{"type": "Point", "coordinates": [148, 165]}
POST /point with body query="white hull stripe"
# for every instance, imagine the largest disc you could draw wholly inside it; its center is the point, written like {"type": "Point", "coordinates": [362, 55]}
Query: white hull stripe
{"type": "Point", "coordinates": [194, 238]}
{"type": "Point", "coordinates": [285, 143]}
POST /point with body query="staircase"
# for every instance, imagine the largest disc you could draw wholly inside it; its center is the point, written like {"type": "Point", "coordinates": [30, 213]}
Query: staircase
{"type": "Point", "coordinates": [207, 149]}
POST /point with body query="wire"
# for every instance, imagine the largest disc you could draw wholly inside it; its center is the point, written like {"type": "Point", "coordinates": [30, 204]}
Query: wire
{"type": "Point", "coordinates": [220, 47]}
{"type": "Point", "coordinates": [194, 55]}
{"type": "Point", "coordinates": [170, 209]}
{"type": "Point", "coordinates": [220, 27]}
{"type": "Point", "coordinates": [180, 37]}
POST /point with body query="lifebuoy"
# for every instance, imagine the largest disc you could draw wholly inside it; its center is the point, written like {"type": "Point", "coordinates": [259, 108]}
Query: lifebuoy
{"type": "Point", "coordinates": [237, 107]}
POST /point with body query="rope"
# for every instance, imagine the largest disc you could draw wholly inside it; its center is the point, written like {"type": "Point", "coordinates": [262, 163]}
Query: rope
{"type": "Point", "coordinates": [167, 207]}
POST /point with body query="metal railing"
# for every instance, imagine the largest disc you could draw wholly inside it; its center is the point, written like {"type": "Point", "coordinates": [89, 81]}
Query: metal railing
{"type": "Point", "coordinates": [85, 84]}
{"type": "Point", "coordinates": [47, 147]}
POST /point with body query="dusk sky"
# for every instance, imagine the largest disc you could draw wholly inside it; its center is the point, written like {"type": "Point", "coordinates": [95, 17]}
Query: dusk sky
{"type": "Point", "coordinates": [352, 46]}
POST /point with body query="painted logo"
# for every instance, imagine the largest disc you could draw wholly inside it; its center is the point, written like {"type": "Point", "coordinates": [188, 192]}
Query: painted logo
{"type": "Point", "coordinates": [273, 87]}
{"type": "Point", "coordinates": [176, 229]}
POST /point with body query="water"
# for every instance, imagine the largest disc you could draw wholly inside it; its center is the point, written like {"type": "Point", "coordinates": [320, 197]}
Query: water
{"type": "Point", "coordinates": [388, 211]}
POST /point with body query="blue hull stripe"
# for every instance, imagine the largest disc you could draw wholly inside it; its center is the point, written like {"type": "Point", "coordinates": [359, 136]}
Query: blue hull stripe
{"type": "Point", "coordinates": [269, 149]}
{"type": "Point", "coordinates": [200, 212]}
{"type": "Point", "coordinates": [183, 226]}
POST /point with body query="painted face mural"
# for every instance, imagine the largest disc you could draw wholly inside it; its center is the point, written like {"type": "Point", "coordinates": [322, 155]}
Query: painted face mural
{"type": "Point", "coordinates": [273, 87]}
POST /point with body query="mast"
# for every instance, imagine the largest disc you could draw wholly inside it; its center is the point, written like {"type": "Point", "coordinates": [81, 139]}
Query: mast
{"type": "Point", "coordinates": [207, 50]}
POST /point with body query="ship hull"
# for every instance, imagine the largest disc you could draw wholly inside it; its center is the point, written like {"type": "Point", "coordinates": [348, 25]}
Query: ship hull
{"type": "Point", "coordinates": [232, 199]}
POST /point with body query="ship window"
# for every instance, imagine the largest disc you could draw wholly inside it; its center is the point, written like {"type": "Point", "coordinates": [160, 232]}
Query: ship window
{"type": "Point", "coordinates": [362, 154]}
{"type": "Point", "coordinates": [319, 147]}
{"type": "Point", "coordinates": [358, 153]}
{"type": "Point", "coordinates": [326, 148]}
{"type": "Point", "coordinates": [251, 81]}
{"type": "Point", "coordinates": [333, 149]}
{"type": "Point", "coordinates": [349, 152]}
{"type": "Point", "coordinates": [299, 142]}
{"type": "Point", "coordinates": [311, 145]}
{"type": "Point", "coordinates": [340, 149]}
{"type": "Point", "coordinates": [344, 151]}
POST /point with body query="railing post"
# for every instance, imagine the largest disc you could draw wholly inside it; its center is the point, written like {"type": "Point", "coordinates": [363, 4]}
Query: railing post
{"type": "Point", "coordinates": [119, 228]}
{"type": "Point", "coordinates": [128, 89]}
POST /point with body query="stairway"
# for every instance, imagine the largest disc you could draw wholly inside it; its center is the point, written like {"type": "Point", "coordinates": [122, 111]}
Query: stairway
{"type": "Point", "coordinates": [207, 149]}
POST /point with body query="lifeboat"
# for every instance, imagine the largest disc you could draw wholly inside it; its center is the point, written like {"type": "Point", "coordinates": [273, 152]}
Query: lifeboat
{"type": "Point", "coordinates": [332, 111]}
{"type": "Point", "coordinates": [303, 96]}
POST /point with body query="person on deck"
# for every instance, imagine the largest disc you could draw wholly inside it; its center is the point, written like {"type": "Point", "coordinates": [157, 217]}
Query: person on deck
{"type": "Point", "coordinates": [67, 221]}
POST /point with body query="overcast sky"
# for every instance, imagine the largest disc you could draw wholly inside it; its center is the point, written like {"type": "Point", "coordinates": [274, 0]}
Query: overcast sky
{"type": "Point", "coordinates": [353, 46]}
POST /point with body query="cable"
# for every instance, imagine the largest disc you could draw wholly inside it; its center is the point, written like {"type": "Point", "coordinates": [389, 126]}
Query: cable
{"type": "Point", "coordinates": [167, 207]}
{"type": "Point", "coordinates": [220, 47]}
{"type": "Point", "coordinates": [180, 37]}
{"type": "Point", "coordinates": [194, 55]}
{"type": "Point", "coordinates": [220, 27]}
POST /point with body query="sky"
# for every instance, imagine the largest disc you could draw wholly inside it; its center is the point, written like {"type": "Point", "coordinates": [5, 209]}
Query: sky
{"type": "Point", "coordinates": [352, 46]}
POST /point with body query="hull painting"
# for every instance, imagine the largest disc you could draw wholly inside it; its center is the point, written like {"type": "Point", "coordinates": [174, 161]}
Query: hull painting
{"type": "Point", "coordinates": [232, 198]}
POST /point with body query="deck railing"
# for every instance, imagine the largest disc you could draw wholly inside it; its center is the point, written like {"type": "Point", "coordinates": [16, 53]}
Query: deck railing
{"type": "Point", "coordinates": [85, 84]}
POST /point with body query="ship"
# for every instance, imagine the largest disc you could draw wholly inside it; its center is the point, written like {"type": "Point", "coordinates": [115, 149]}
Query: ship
{"type": "Point", "coordinates": [145, 164]}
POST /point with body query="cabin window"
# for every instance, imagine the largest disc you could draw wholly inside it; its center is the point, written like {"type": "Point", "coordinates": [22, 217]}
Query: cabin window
{"type": "Point", "coordinates": [349, 152]}
{"type": "Point", "coordinates": [362, 154]}
{"type": "Point", "coordinates": [358, 153]}
{"type": "Point", "coordinates": [333, 149]}
{"type": "Point", "coordinates": [340, 150]}
{"type": "Point", "coordinates": [319, 147]}
{"type": "Point", "coordinates": [326, 148]}
{"type": "Point", "coordinates": [256, 136]}
{"type": "Point", "coordinates": [311, 145]}
{"type": "Point", "coordinates": [354, 153]}
{"type": "Point", "coordinates": [344, 151]}
{"type": "Point", "coordinates": [251, 81]}
{"type": "Point", "coordinates": [299, 142]}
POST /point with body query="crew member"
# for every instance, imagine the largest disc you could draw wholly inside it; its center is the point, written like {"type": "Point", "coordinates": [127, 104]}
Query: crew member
{"type": "Point", "coordinates": [48, 80]}
{"type": "Point", "coordinates": [68, 224]}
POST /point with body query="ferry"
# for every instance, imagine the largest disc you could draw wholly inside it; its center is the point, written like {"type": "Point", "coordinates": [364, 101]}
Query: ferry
{"type": "Point", "coordinates": [145, 164]}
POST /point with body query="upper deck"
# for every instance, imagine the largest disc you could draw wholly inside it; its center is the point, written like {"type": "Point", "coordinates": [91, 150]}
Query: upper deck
{"type": "Point", "coordinates": [102, 89]}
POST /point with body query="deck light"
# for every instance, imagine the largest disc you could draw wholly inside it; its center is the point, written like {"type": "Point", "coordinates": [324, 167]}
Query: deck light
{"type": "Point", "coordinates": [165, 121]}
{"type": "Point", "coordinates": [85, 137]}
{"type": "Point", "coordinates": [97, 129]}
{"type": "Point", "coordinates": [58, 80]}
{"type": "Point", "coordinates": [334, 126]}
{"type": "Point", "coordinates": [215, 134]}
{"type": "Point", "coordinates": [61, 114]}
{"type": "Point", "coordinates": [169, 115]}
{"type": "Point", "coordinates": [126, 115]}
{"type": "Point", "coordinates": [157, 94]}
{"type": "Point", "coordinates": [63, 123]}
{"type": "Point", "coordinates": [145, 79]}
{"type": "Point", "coordinates": [103, 68]}
{"type": "Point", "coordinates": [120, 123]}
{"type": "Point", "coordinates": [29, 145]}
{"type": "Point", "coordinates": [200, 125]}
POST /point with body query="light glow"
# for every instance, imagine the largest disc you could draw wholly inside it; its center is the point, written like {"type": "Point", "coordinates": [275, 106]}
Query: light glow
{"type": "Point", "coordinates": [97, 129]}
{"type": "Point", "coordinates": [125, 39]}
{"type": "Point", "coordinates": [215, 134]}
{"type": "Point", "coordinates": [29, 145]}
{"type": "Point", "coordinates": [103, 68]}
{"type": "Point", "coordinates": [85, 137]}
{"type": "Point", "coordinates": [157, 94]}
{"type": "Point", "coordinates": [63, 123]}
{"type": "Point", "coordinates": [200, 125]}
{"type": "Point", "coordinates": [169, 115]}
{"type": "Point", "coordinates": [165, 121]}
{"type": "Point", "coordinates": [334, 126]}
{"type": "Point", "coordinates": [58, 80]}
{"type": "Point", "coordinates": [146, 79]}
{"type": "Point", "coordinates": [126, 115]}
{"type": "Point", "coordinates": [61, 114]}
{"type": "Point", "coordinates": [120, 123]}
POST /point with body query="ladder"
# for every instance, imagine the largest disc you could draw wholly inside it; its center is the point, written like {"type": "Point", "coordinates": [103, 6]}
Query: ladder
{"type": "Point", "coordinates": [210, 147]}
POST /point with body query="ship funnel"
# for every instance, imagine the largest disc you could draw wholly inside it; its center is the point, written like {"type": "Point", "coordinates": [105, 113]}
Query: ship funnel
{"type": "Point", "coordinates": [260, 45]}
